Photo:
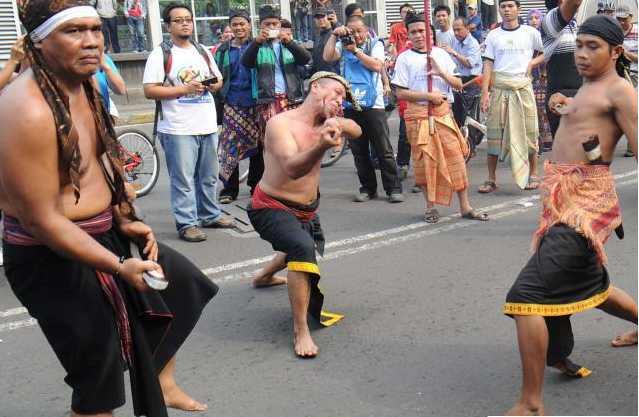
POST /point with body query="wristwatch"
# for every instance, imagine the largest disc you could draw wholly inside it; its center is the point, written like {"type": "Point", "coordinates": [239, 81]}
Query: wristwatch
{"type": "Point", "coordinates": [357, 50]}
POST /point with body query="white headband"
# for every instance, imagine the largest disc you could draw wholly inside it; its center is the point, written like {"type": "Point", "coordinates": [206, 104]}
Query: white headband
{"type": "Point", "coordinates": [58, 19]}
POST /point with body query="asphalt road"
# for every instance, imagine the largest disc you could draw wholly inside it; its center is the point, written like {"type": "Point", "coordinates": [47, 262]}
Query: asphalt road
{"type": "Point", "coordinates": [423, 333]}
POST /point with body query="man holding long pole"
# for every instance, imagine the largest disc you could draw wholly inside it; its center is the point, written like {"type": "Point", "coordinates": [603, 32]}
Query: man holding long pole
{"type": "Point", "coordinates": [437, 149]}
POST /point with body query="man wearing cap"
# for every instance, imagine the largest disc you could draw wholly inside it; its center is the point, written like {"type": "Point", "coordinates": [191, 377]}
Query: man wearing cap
{"type": "Point", "coordinates": [240, 130]}
{"type": "Point", "coordinates": [624, 17]}
{"type": "Point", "coordinates": [580, 210]}
{"type": "Point", "coordinates": [70, 228]}
{"type": "Point", "coordinates": [275, 57]}
{"type": "Point", "coordinates": [474, 22]}
{"type": "Point", "coordinates": [283, 208]}
{"type": "Point", "coordinates": [320, 16]}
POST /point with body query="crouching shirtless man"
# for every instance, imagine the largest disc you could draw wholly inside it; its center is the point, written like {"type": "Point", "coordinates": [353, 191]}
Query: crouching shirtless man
{"type": "Point", "coordinates": [283, 209]}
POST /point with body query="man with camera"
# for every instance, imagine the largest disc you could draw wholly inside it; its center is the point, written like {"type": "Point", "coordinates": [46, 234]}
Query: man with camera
{"type": "Point", "coordinates": [181, 74]}
{"type": "Point", "coordinates": [320, 16]}
{"type": "Point", "coordinates": [361, 59]}
{"type": "Point", "coordinates": [276, 58]}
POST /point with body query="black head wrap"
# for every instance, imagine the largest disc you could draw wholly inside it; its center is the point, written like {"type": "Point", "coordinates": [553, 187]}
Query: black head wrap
{"type": "Point", "coordinates": [609, 30]}
{"type": "Point", "coordinates": [604, 27]}
{"type": "Point", "coordinates": [412, 17]}
{"type": "Point", "coordinates": [32, 14]}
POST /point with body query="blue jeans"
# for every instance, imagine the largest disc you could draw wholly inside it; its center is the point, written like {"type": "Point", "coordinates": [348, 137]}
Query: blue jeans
{"type": "Point", "coordinates": [138, 37]}
{"type": "Point", "coordinates": [193, 169]}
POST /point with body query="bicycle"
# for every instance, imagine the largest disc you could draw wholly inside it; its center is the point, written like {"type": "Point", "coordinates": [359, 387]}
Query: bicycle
{"type": "Point", "coordinates": [141, 160]}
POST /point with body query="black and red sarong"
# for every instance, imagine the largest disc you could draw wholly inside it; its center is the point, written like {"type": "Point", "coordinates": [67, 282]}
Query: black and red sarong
{"type": "Point", "coordinates": [97, 324]}
{"type": "Point", "coordinates": [295, 230]}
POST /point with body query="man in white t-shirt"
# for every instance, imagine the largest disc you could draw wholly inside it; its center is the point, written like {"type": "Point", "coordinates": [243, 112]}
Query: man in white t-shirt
{"type": "Point", "coordinates": [445, 35]}
{"type": "Point", "coordinates": [438, 151]}
{"type": "Point", "coordinates": [512, 128]}
{"type": "Point", "coordinates": [361, 62]}
{"type": "Point", "coordinates": [187, 126]}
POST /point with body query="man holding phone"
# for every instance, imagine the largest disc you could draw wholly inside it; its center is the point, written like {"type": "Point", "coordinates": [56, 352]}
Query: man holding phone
{"type": "Point", "coordinates": [276, 58]}
{"type": "Point", "coordinates": [182, 75]}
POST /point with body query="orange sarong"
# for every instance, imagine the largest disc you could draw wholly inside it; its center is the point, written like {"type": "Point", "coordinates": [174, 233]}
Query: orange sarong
{"type": "Point", "coordinates": [583, 197]}
{"type": "Point", "coordinates": [438, 160]}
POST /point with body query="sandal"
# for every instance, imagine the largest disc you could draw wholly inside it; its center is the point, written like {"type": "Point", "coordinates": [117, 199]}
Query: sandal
{"type": "Point", "coordinates": [226, 199]}
{"type": "Point", "coordinates": [473, 215]}
{"type": "Point", "coordinates": [487, 187]}
{"type": "Point", "coordinates": [431, 216]}
{"type": "Point", "coordinates": [533, 183]}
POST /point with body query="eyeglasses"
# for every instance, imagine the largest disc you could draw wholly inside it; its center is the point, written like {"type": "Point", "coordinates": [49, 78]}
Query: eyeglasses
{"type": "Point", "coordinates": [182, 20]}
{"type": "Point", "coordinates": [319, 16]}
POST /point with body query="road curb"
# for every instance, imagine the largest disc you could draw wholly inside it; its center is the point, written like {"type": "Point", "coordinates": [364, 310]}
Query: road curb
{"type": "Point", "coordinates": [136, 118]}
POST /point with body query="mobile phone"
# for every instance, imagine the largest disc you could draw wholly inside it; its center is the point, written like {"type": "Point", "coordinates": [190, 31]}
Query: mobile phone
{"type": "Point", "coordinates": [209, 81]}
{"type": "Point", "coordinates": [155, 279]}
{"type": "Point", "coordinates": [273, 33]}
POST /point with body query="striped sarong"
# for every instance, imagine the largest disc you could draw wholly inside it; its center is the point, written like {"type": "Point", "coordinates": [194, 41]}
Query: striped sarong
{"type": "Point", "coordinates": [512, 128]}
{"type": "Point", "coordinates": [438, 160]}
{"type": "Point", "coordinates": [238, 140]}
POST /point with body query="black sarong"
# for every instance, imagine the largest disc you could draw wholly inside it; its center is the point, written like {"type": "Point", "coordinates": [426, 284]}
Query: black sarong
{"type": "Point", "coordinates": [299, 238]}
{"type": "Point", "coordinates": [75, 316]}
{"type": "Point", "coordinates": [563, 277]}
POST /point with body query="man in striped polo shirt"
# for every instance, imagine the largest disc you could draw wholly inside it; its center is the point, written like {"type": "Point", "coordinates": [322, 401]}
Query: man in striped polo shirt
{"type": "Point", "coordinates": [558, 34]}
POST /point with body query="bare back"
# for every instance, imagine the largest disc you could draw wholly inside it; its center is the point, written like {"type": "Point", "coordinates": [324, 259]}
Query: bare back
{"type": "Point", "coordinates": [287, 135]}
{"type": "Point", "coordinates": [30, 177]}
{"type": "Point", "coordinates": [606, 107]}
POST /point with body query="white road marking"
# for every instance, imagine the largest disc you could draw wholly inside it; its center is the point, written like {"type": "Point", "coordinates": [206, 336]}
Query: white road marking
{"type": "Point", "coordinates": [14, 325]}
{"type": "Point", "coordinates": [431, 230]}
{"type": "Point", "coordinates": [12, 312]}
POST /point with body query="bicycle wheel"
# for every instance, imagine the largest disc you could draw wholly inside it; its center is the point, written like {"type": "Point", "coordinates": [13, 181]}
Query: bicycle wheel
{"type": "Point", "coordinates": [141, 161]}
{"type": "Point", "coordinates": [333, 155]}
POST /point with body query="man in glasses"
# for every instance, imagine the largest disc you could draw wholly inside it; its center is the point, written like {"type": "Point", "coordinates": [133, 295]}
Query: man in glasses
{"type": "Point", "coordinates": [181, 76]}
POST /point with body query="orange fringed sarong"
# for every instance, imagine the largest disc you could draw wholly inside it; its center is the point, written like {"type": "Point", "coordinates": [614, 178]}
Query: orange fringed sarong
{"type": "Point", "coordinates": [438, 161]}
{"type": "Point", "coordinates": [583, 197]}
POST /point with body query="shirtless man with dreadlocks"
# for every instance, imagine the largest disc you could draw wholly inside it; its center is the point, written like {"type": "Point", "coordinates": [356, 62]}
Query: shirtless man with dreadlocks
{"type": "Point", "coordinates": [68, 227]}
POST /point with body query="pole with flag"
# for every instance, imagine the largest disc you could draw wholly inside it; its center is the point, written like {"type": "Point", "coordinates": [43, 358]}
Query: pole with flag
{"type": "Point", "coordinates": [429, 77]}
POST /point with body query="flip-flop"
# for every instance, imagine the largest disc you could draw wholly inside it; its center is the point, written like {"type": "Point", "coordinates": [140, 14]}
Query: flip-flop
{"type": "Point", "coordinates": [473, 215]}
{"type": "Point", "coordinates": [431, 216]}
{"type": "Point", "coordinates": [487, 187]}
{"type": "Point", "coordinates": [533, 183]}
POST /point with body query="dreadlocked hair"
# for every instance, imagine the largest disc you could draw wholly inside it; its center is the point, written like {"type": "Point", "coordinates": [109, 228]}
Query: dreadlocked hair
{"type": "Point", "coordinates": [68, 150]}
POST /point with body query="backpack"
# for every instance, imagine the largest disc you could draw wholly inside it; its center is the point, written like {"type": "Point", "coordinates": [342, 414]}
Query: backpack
{"type": "Point", "coordinates": [168, 63]}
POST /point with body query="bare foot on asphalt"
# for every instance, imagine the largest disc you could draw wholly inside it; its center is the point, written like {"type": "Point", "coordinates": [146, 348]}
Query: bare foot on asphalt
{"type": "Point", "coordinates": [262, 281]}
{"type": "Point", "coordinates": [626, 339]}
{"type": "Point", "coordinates": [304, 345]}
{"type": "Point", "coordinates": [174, 397]}
{"type": "Point", "coordinates": [522, 410]}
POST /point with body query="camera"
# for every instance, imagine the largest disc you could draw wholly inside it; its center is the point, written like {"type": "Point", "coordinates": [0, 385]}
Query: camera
{"type": "Point", "coordinates": [209, 81]}
{"type": "Point", "coordinates": [273, 33]}
{"type": "Point", "coordinates": [347, 40]}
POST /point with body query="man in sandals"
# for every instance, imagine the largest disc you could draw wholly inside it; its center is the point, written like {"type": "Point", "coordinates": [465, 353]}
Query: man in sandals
{"type": "Point", "coordinates": [512, 113]}
{"type": "Point", "coordinates": [567, 273]}
{"type": "Point", "coordinates": [438, 158]}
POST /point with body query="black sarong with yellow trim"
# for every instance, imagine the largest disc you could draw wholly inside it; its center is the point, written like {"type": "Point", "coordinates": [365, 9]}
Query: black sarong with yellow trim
{"type": "Point", "coordinates": [295, 230]}
{"type": "Point", "coordinates": [563, 277]}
